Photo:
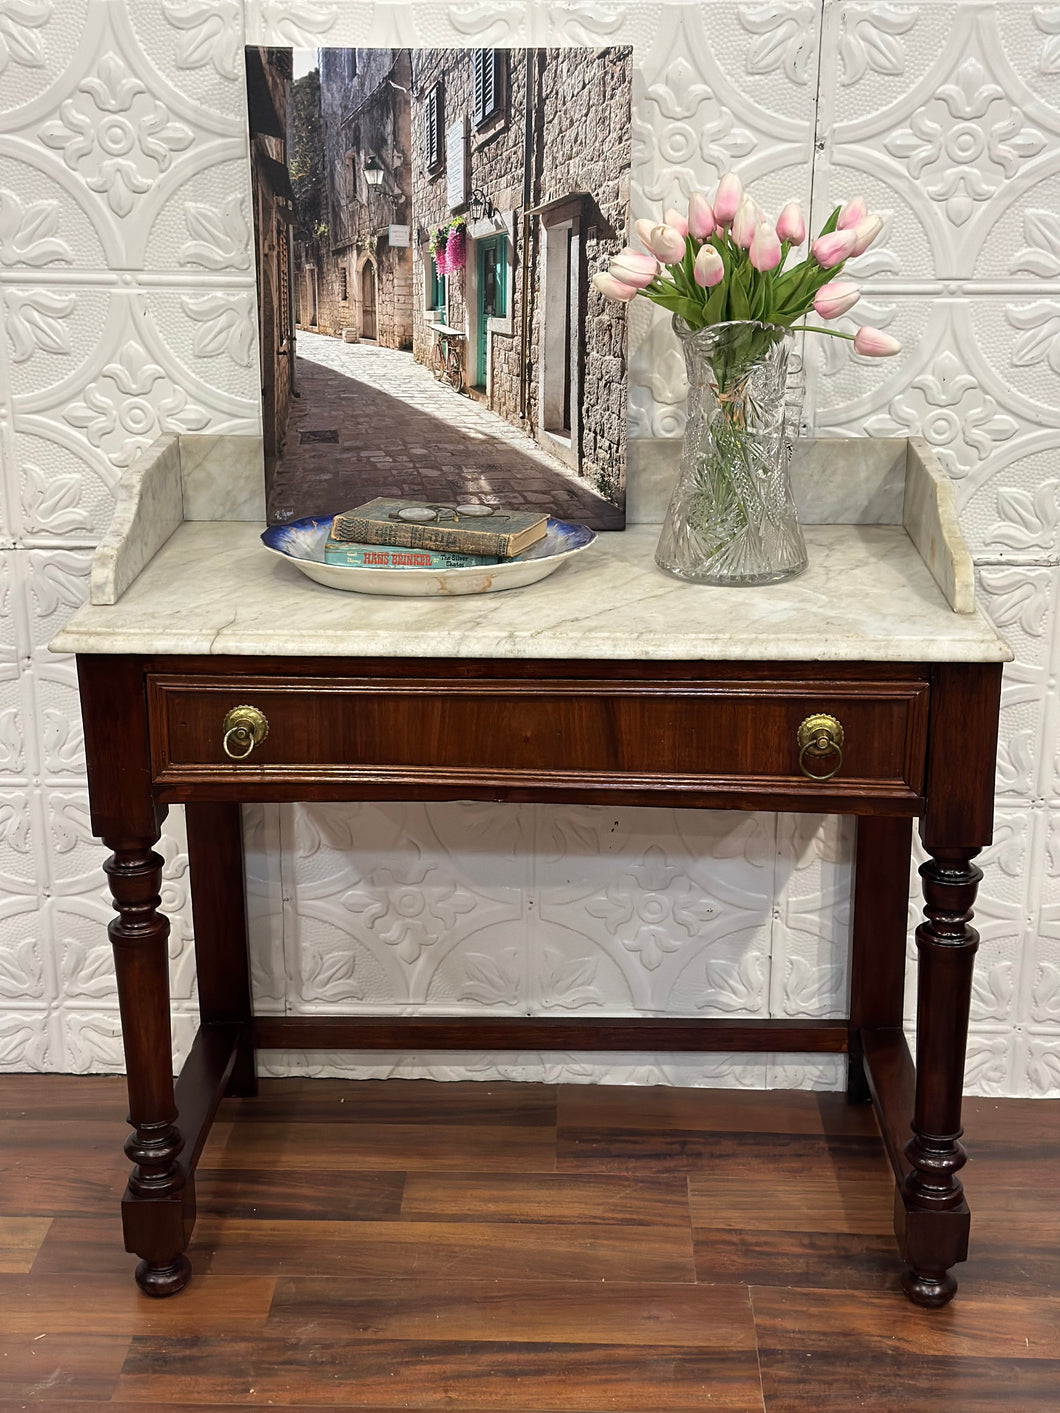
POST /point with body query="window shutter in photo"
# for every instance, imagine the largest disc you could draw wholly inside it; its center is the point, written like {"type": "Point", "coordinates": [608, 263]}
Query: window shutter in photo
{"type": "Point", "coordinates": [486, 83]}
{"type": "Point", "coordinates": [430, 127]}
{"type": "Point", "coordinates": [478, 68]}
{"type": "Point", "coordinates": [433, 127]}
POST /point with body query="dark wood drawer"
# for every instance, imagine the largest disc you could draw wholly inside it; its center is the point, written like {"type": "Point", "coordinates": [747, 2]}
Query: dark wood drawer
{"type": "Point", "coordinates": [499, 735]}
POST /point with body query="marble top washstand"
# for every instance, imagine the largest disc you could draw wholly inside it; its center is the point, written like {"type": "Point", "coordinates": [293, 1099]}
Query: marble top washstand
{"type": "Point", "coordinates": [213, 673]}
{"type": "Point", "coordinates": [889, 578]}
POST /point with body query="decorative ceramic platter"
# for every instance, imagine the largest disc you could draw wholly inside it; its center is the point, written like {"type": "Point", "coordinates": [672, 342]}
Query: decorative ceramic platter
{"type": "Point", "coordinates": [302, 544]}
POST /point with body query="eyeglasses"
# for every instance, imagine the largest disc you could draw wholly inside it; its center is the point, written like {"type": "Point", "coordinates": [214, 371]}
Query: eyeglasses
{"type": "Point", "coordinates": [424, 514]}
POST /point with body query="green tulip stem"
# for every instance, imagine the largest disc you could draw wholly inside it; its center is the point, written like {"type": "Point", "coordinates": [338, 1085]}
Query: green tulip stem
{"type": "Point", "coordinates": [816, 329]}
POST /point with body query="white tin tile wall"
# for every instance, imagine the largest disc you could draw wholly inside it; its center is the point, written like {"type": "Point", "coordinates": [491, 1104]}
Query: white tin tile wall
{"type": "Point", "coordinates": [127, 307]}
{"type": "Point", "coordinates": [947, 116]}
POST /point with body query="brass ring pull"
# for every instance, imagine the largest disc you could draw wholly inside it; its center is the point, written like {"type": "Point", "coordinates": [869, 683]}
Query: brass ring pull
{"type": "Point", "coordinates": [242, 736]}
{"type": "Point", "coordinates": [820, 735]}
{"type": "Point", "coordinates": [244, 727]}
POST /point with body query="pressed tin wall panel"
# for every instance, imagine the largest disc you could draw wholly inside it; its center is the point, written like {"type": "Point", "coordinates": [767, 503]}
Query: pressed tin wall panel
{"type": "Point", "coordinates": [948, 117]}
{"type": "Point", "coordinates": [127, 308]}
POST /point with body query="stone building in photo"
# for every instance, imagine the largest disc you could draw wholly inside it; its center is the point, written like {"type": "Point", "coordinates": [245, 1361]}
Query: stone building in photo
{"type": "Point", "coordinates": [268, 92]}
{"type": "Point", "coordinates": [355, 277]}
{"type": "Point", "coordinates": [529, 150]}
{"type": "Point", "coordinates": [532, 147]}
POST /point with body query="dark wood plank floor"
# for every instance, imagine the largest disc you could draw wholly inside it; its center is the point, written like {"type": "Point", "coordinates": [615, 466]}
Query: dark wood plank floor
{"type": "Point", "coordinates": [522, 1248]}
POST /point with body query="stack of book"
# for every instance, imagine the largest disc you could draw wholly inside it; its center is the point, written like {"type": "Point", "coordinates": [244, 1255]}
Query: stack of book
{"type": "Point", "coordinates": [404, 534]}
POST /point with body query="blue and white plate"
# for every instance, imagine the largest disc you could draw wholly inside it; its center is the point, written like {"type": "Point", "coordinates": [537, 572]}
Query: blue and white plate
{"type": "Point", "coordinates": [302, 544]}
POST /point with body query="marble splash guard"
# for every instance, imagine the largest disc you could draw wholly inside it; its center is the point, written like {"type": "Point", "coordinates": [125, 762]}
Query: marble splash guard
{"type": "Point", "coordinates": [840, 481]}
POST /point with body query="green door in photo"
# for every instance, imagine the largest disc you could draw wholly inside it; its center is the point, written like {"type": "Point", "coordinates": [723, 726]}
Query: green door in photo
{"type": "Point", "coordinates": [492, 255]}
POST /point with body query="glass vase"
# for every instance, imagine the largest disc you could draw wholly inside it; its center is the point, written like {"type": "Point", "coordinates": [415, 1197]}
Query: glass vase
{"type": "Point", "coordinates": [732, 519]}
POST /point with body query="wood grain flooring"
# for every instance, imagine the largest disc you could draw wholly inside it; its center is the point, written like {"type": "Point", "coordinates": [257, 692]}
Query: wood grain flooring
{"type": "Point", "coordinates": [522, 1249]}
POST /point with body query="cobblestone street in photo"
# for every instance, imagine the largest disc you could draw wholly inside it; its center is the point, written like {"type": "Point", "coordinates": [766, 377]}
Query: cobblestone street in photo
{"type": "Point", "coordinates": [371, 421]}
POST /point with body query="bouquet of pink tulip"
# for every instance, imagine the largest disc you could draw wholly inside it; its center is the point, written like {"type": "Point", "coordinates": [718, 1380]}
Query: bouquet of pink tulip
{"type": "Point", "coordinates": [725, 263]}
{"type": "Point", "coordinates": [721, 273]}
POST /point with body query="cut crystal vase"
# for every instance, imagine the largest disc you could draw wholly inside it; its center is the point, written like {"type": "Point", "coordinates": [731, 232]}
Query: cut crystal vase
{"type": "Point", "coordinates": [732, 519]}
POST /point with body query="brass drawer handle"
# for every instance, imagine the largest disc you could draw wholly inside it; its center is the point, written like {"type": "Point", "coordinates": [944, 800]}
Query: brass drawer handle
{"type": "Point", "coordinates": [244, 727]}
{"type": "Point", "coordinates": [820, 735]}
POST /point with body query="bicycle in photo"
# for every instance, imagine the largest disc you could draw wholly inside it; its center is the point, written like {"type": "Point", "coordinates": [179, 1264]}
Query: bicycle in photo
{"type": "Point", "coordinates": [447, 355]}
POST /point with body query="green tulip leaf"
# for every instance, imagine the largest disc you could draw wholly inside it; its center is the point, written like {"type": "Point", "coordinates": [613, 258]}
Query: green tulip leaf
{"type": "Point", "coordinates": [739, 304]}
{"type": "Point", "coordinates": [714, 309]}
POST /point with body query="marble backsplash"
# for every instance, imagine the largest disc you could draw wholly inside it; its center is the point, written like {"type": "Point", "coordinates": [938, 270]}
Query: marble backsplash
{"type": "Point", "coordinates": [837, 481]}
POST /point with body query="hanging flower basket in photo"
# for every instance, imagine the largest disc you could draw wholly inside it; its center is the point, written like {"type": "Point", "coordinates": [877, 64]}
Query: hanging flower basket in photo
{"type": "Point", "coordinates": [438, 248]}
{"type": "Point", "coordinates": [456, 248]}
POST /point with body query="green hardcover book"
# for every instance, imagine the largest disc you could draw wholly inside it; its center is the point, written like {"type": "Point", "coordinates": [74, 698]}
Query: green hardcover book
{"type": "Point", "coordinates": [390, 557]}
{"type": "Point", "coordinates": [463, 529]}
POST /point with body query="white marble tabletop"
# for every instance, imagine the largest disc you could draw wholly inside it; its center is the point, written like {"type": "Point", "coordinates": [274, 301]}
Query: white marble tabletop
{"type": "Point", "coordinates": [213, 589]}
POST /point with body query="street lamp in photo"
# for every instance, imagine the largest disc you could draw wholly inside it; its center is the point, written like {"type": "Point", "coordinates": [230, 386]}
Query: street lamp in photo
{"type": "Point", "coordinates": [373, 172]}
{"type": "Point", "coordinates": [479, 205]}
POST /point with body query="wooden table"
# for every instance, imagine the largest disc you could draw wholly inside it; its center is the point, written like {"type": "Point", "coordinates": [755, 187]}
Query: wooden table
{"type": "Point", "coordinates": [663, 727]}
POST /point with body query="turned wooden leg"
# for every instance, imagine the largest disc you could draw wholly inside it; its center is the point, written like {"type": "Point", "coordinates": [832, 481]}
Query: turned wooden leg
{"type": "Point", "coordinates": [153, 1208]}
{"type": "Point", "coordinates": [934, 1221]}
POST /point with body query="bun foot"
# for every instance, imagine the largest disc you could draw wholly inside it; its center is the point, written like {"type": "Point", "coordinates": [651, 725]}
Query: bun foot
{"type": "Point", "coordinates": [160, 1281]}
{"type": "Point", "coordinates": [930, 1291]}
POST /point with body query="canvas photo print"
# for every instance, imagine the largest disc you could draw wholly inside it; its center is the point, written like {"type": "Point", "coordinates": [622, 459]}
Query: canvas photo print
{"type": "Point", "coordinates": [427, 224]}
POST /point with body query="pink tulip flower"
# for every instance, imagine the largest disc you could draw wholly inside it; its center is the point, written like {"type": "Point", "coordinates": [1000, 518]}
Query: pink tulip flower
{"type": "Point", "coordinates": [634, 269]}
{"type": "Point", "coordinates": [835, 298]}
{"type": "Point", "coordinates": [701, 223]}
{"type": "Point", "coordinates": [865, 232]}
{"type": "Point", "coordinates": [727, 199]}
{"type": "Point", "coordinates": [744, 223]}
{"type": "Point", "coordinates": [875, 344]}
{"type": "Point", "coordinates": [644, 228]}
{"type": "Point", "coordinates": [853, 212]}
{"type": "Point", "coordinates": [611, 288]}
{"type": "Point", "coordinates": [668, 244]}
{"type": "Point", "coordinates": [765, 251]}
{"type": "Point", "coordinates": [709, 268]}
{"type": "Point", "coordinates": [790, 225]}
{"type": "Point", "coordinates": [829, 250]}
{"type": "Point", "coordinates": [675, 219]}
